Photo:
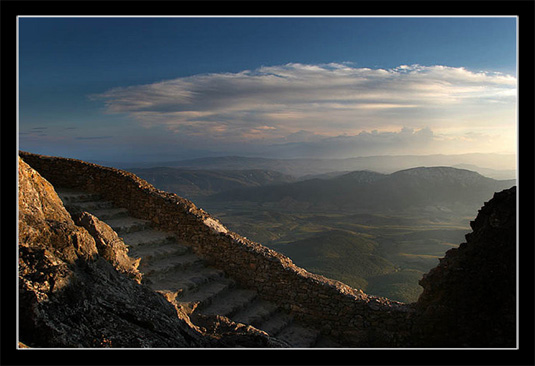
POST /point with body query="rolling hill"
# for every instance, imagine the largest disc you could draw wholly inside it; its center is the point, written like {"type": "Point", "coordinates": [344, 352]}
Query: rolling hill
{"type": "Point", "coordinates": [347, 257]}
{"type": "Point", "coordinates": [415, 187]}
{"type": "Point", "coordinates": [195, 183]}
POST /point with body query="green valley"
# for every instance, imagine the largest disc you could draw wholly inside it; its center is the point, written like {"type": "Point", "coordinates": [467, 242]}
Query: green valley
{"type": "Point", "coordinates": [383, 255]}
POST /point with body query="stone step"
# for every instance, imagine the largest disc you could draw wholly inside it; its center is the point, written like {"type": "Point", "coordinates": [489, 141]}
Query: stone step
{"type": "Point", "coordinates": [181, 281]}
{"type": "Point", "coordinates": [160, 266]}
{"type": "Point", "coordinates": [205, 294]}
{"type": "Point", "coordinates": [298, 336]}
{"type": "Point", "coordinates": [89, 206]}
{"type": "Point", "coordinates": [73, 196]}
{"type": "Point", "coordinates": [149, 252]}
{"type": "Point", "coordinates": [230, 302]}
{"type": "Point", "coordinates": [171, 268]}
{"type": "Point", "coordinates": [125, 225]}
{"type": "Point", "coordinates": [275, 323]}
{"type": "Point", "coordinates": [256, 313]}
{"type": "Point", "coordinates": [324, 342]}
{"type": "Point", "coordinates": [110, 213]}
{"type": "Point", "coordinates": [147, 237]}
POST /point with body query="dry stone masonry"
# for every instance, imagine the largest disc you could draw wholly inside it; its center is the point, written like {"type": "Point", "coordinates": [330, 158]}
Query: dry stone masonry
{"type": "Point", "coordinates": [171, 268]}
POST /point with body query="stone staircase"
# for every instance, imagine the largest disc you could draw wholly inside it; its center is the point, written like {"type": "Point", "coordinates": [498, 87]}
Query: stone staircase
{"type": "Point", "coordinates": [171, 268]}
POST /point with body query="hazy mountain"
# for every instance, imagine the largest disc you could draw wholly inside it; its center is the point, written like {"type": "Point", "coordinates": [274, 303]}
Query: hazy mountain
{"type": "Point", "coordinates": [323, 175]}
{"type": "Point", "coordinates": [195, 183]}
{"type": "Point", "coordinates": [369, 190]}
{"type": "Point", "coordinates": [487, 172]}
{"type": "Point", "coordinates": [500, 165]}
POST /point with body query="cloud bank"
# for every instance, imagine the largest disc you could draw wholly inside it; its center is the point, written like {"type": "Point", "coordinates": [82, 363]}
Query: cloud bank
{"type": "Point", "coordinates": [327, 104]}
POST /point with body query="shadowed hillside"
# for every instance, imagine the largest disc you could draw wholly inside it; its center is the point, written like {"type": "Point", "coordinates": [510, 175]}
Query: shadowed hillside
{"type": "Point", "coordinates": [195, 183]}
{"type": "Point", "coordinates": [367, 190]}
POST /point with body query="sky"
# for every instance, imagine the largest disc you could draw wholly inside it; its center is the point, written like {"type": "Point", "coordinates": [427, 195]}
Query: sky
{"type": "Point", "coordinates": [152, 88]}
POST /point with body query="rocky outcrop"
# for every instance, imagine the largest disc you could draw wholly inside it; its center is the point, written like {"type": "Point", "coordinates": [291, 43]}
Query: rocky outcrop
{"type": "Point", "coordinates": [469, 299]}
{"type": "Point", "coordinates": [78, 288]}
{"type": "Point", "coordinates": [109, 245]}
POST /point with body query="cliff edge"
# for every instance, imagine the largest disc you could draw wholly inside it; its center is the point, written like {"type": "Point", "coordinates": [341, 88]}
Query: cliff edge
{"type": "Point", "coordinates": [79, 289]}
{"type": "Point", "coordinates": [469, 299]}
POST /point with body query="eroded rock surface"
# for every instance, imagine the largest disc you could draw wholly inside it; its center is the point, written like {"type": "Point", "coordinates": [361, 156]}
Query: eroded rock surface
{"type": "Point", "coordinates": [110, 246]}
{"type": "Point", "coordinates": [82, 290]}
{"type": "Point", "coordinates": [469, 299]}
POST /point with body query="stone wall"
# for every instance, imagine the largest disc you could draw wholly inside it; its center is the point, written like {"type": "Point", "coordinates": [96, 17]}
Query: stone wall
{"type": "Point", "coordinates": [348, 314]}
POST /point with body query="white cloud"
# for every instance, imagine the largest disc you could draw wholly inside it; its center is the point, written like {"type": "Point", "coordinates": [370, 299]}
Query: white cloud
{"type": "Point", "coordinates": [405, 141]}
{"type": "Point", "coordinates": [272, 103]}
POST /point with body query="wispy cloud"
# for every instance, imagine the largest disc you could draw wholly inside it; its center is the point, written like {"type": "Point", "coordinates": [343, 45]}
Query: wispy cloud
{"type": "Point", "coordinates": [275, 103]}
{"type": "Point", "coordinates": [402, 142]}
{"type": "Point", "coordinates": [93, 138]}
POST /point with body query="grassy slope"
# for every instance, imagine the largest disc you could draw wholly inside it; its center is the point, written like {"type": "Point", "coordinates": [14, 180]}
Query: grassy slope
{"type": "Point", "coordinates": [383, 255]}
{"type": "Point", "coordinates": [348, 257]}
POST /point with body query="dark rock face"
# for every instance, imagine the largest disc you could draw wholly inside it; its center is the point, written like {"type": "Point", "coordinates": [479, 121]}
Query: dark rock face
{"type": "Point", "coordinates": [79, 288]}
{"type": "Point", "coordinates": [110, 246]}
{"type": "Point", "coordinates": [70, 296]}
{"type": "Point", "coordinates": [469, 299]}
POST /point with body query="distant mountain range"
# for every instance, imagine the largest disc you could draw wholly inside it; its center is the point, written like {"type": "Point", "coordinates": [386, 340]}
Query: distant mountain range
{"type": "Point", "coordinates": [197, 183]}
{"type": "Point", "coordinates": [497, 166]}
{"type": "Point", "coordinates": [355, 191]}
{"type": "Point", "coordinates": [422, 186]}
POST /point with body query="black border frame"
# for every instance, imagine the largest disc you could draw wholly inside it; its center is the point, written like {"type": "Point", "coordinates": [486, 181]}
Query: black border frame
{"type": "Point", "coordinates": [524, 355]}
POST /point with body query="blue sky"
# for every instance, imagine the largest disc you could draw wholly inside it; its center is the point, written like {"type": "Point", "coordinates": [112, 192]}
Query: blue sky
{"type": "Point", "coordinates": [124, 89]}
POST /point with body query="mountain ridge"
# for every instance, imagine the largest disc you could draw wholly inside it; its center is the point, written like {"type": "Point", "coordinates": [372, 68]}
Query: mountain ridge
{"type": "Point", "coordinates": [193, 183]}
{"type": "Point", "coordinates": [401, 189]}
{"type": "Point", "coordinates": [498, 164]}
